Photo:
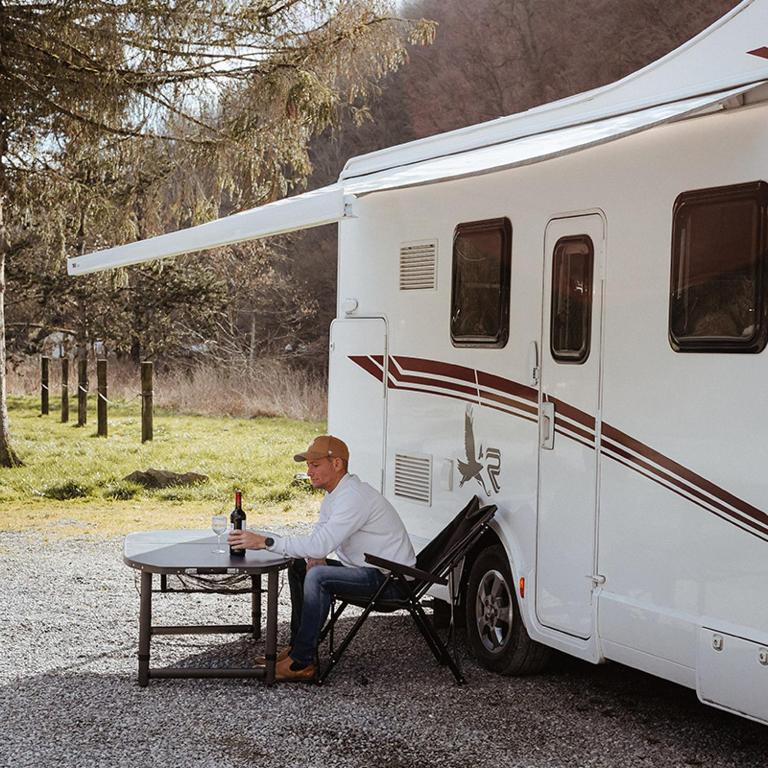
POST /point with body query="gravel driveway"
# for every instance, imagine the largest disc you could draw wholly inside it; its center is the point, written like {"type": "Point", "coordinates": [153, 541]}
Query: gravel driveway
{"type": "Point", "coordinates": [69, 694]}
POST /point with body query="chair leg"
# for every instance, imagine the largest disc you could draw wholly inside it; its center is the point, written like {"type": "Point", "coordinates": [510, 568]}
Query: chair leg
{"type": "Point", "coordinates": [329, 625]}
{"type": "Point", "coordinates": [336, 655]}
{"type": "Point", "coordinates": [441, 654]}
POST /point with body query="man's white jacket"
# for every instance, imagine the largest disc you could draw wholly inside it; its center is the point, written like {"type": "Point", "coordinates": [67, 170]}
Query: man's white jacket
{"type": "Point", "coordinates": [354, 519]}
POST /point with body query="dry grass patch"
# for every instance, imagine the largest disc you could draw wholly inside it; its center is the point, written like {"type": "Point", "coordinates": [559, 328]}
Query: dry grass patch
{"type": "Point", "coordinates": [271, 388]}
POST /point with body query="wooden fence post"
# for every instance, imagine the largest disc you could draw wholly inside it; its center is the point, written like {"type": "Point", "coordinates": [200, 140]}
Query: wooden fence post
{"type": "Point", "coordinates": [44, 364]}
{"type": "Point", "coordinates": [146, 401]}
{"type": "Point", "coordinates": [82, 392]}
{"type": "Point", "coordinates": [64, 390]}
{"type": "Point", "coordinates": [101, 404]}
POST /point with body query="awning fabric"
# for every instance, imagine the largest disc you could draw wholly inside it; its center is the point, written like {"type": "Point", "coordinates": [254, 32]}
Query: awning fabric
{"type": "Point", "coordinates": [334, 203]}
{"type": "Point", "coordinates": [311, 209]}
{"type": "Point", "coordinates": [534, 149]}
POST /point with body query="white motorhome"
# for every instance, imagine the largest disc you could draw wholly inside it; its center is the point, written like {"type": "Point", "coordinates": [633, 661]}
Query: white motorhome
{"type": "Point", "coordinates": [565, 311]}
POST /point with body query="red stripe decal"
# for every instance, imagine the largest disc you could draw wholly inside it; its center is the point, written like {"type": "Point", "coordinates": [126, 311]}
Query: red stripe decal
{"type": "Point", "coordinates": [678, 469]}
{"type": "Point", "coordinates": [731, 520]}
{"type": "Point", "coordinates": [507, 401]}
{"type": "Point", "coordinates": [565, 425]}
{"type": "Point", "coordinates": [505, 385]}
{"type": "Point", "coordinates": [393, 385]}
{"type": "Point", "coordinates": [437, 368]}
{"type": "Point", "coordinates": [689, 485]}
{"type": "Point", "coordinates": [367, 364]}
{"type": "Point", "coordinates": [761, 52]}
{"type": "Point", "coordinates": [575, 439]}
{"type": "Point", "coordinates": [682, 485]}
{"type": "Point", "coordinates": [509, 413]}
{"type": "Point", "coordinates": [574, 414]}
{"type": "Point", "coordinates": [402, 377]}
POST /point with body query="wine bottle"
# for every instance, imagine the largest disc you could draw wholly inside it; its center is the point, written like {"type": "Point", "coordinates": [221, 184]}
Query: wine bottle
{"type": "Point", "coordinates": [237, 518]}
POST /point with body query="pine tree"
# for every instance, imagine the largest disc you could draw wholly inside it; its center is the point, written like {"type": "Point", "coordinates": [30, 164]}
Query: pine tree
{"type": "Point", "coordinates": [223, 94]}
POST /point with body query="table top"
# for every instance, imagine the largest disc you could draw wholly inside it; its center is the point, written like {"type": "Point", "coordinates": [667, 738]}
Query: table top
{"type": "Point", "coordinates": [190, 550]}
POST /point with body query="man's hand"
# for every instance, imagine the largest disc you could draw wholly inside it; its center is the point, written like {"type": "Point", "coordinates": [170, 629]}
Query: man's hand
{"type": "Point", "coordinates": [312, 562]}
{"type": "Point", "coordinates": [246, 540]}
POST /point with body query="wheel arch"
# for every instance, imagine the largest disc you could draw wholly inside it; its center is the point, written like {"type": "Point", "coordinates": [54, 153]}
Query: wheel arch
{"type": "Point", "coordinates": [495, 536]}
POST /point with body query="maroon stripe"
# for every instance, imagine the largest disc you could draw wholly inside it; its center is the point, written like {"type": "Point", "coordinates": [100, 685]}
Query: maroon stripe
{"type": "Point", "coordinates": [439, 383]}
{"type": "Point", "coordinates": [436, 368]}
{"type": "Point", "coordinates": [507, 401]}
{"type": "Point", "coordinates": [673, 473]}
{"type": "Point", "coordinates": [678, 469]}
{"type": "Point", "coordinates": [507, 385]}
{"type": "Point", "coordinates": [394, 385]}
{"type": "Point", "coordinates": [588, 436]}
{"type": "Point", "coordinates": [574, 438]}
{"type": "Point", "coordinates": [574, 414]}
{"type": "Point", "coordinates": [692, 491]}
{"type": "Point", "coordinates": [509, 413]}
{"type": "Point", "coordinates": [365, 362]}
{"type": "Point", "coordinates": [732, 520]}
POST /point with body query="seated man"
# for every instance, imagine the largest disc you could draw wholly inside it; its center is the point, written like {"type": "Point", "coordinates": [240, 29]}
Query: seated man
{"type": "Point", "coordinates": [354, 519]}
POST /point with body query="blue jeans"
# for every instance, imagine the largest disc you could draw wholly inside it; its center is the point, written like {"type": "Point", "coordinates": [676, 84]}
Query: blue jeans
{"type": "Point", "coordinates": [311, 593]}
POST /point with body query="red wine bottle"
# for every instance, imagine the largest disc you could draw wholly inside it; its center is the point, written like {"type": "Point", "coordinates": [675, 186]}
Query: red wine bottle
{"type": "Point", "coordinates": [237, 518]}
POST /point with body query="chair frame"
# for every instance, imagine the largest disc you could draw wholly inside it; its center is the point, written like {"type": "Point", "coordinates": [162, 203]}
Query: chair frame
{"type": "Point", "coordinates": [414, 583]}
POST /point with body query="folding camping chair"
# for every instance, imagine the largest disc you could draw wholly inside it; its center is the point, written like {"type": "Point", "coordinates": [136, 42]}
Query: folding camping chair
{"type": "Point", "coordinates": [435, 564]}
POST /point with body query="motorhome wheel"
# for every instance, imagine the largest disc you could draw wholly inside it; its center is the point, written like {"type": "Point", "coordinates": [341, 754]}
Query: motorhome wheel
{"type": "Point", "coordinates": [495, 632]}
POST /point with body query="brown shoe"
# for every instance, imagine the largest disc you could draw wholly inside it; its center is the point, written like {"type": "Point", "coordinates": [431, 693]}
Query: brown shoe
{"type": "Point", "coordinates": [283, 653]}
{"type": "Point", "coordinates": [284, 673]}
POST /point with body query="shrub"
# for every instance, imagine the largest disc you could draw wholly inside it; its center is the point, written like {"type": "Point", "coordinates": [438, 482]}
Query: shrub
{"type": "Point", "coordinates": [121, 491]}
{"type": "Point", "coordinates": [69, 489]}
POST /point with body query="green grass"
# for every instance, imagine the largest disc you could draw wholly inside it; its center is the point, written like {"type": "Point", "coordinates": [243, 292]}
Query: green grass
{"type": "Point", "coordinates": [72, 481]}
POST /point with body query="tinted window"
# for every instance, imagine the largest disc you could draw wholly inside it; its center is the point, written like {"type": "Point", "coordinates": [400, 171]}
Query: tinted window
{"type": "Point", "coordinates": [571, 315]}
{"type": "Point", "coordinates": [482, 252]}
{"type": "Point", "coordinates": [717, 298]}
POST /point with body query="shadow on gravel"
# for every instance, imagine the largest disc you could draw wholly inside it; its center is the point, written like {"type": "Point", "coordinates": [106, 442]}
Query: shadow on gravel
{"type": "Point", "coordinates": [387, 705]}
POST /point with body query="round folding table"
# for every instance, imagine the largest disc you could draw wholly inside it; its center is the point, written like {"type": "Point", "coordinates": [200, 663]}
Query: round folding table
{"type": "Point", "coordinates": [190, 552]}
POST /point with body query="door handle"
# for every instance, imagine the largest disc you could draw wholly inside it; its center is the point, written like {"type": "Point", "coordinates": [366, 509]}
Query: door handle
{"type": "Point", "coordinates": [547, 426]}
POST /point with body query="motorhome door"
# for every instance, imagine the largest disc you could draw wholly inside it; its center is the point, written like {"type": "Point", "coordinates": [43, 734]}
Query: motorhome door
{"type": "Point", "coordinates": [569, 405]}
{"type": "Point", "coordinates": [357, 393]}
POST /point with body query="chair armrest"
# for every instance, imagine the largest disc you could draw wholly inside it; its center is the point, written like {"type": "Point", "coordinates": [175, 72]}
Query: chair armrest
{"type": "Point", "coordinates": [404, 570]}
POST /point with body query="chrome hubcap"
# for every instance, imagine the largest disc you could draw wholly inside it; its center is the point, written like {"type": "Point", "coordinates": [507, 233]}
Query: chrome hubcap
{"type": "Point", "coordinates": [493, 611]}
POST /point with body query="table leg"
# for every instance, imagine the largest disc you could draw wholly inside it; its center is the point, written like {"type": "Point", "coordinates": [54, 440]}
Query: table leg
{"type": "Point", "coordinates": [145, 627]}
{"type": "Point", "coordinates": [271, 649]}
{"type": "Point", "coordinates": [256, 605]}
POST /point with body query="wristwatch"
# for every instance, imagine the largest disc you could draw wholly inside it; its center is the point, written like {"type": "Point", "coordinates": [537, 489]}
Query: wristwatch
{"type": "Point", "coordinates": [268, 542]}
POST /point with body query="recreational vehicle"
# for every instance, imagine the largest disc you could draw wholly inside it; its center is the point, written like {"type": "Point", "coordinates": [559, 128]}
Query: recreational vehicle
{"type": "Point", "coordinates": [565, 311]}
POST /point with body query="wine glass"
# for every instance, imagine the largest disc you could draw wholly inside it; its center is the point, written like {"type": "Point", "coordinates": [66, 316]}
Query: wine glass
{"type": "Point", "coordinates": [219, 524]}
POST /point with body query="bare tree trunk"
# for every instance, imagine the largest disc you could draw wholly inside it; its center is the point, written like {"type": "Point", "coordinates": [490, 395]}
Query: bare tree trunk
{"type": "Point", "coordinates": [81, 295]}
{"type": "Point", "coordinates": [8, 457]}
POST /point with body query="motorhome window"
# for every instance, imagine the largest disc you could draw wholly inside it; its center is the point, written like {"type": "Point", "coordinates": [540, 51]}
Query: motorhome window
{"type": "Point", "coordinates": [571, 310]}
{"type": "Point", "coordinates": [482, 254]}
{"type": "Point", "coordinates": [718, 284]}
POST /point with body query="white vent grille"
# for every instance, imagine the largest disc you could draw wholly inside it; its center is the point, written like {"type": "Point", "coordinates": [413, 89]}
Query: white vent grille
{"type": "Point", "coordinates": [413, 478]}
{"type": "Point", "coordinates": [418, 265]}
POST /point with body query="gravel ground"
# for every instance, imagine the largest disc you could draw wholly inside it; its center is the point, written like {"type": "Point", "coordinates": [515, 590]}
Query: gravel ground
{"type": "Point", "coordinates": [69, 696]}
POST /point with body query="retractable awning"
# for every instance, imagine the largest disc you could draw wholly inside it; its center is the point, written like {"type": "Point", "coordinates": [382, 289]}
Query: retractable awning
{"type": "Point", "coordinates": [311, 209]}
{"type": "Point", "coordinates": [334, 203]}
{"type": "Point", "coordinates": [539, 147]}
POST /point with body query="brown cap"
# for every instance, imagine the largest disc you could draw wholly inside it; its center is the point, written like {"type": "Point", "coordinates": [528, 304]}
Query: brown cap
{"type": "Point", "coordinates": [324, 447]}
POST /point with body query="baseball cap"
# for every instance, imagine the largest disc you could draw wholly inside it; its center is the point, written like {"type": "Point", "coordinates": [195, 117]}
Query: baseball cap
{"type": "Point", "coordinates": [324, 447]}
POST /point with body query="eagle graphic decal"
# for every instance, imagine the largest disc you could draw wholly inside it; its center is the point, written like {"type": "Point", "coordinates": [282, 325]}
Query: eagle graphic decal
{"type": "Point", "coordinates": [480, 464]}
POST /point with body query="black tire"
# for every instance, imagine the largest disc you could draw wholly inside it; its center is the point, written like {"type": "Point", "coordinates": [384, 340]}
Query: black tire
{"type": "Point", "coordinates": [496, 635]}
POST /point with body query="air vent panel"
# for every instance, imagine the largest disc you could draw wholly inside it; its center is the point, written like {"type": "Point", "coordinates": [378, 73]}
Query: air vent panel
{"type": "Point", "coordinates": [418, 265]}
{"type": "Point", "coordinates": [413, 478]}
